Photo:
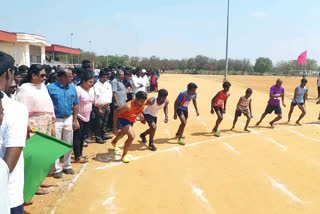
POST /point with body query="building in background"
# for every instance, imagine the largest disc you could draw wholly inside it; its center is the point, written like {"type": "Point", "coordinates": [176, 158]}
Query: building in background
{"type": "Point", "coordinates": [29, 49]}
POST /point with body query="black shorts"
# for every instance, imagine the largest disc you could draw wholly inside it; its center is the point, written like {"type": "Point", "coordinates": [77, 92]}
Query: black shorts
{"type": "Point", "coordinates": [182, 112]}
{"type": "Point", "coordinates": [276, 109]}
{"type": "Point", "coordinates": [217, 108]}
{"type": "Point", "coordinates": [294, 104]}
{"type": "Point", "coordinates": [150, 119]}
{"type": "Point", "coordinates": [239, 113]}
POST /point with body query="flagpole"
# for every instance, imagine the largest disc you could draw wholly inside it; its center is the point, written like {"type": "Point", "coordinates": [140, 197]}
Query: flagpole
{"type": "Point", "coordinates": [227, 44]}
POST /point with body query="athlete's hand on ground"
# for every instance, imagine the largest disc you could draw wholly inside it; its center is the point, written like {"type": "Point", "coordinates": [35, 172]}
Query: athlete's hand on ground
{"type": "Point", "coordinates": [224, 111]}
{"type": "Point", "coordinates": [75, 125]}
{"type": "Point", "coordinates": [175, 116]}
{"type": "Point", "coordinates": [166, 120]}
{"type": "Point", "coordinates": [212, 111]}
{"type": "Point", "coordinates": [284, 105]}
{"type": "Point", "coordinates": [198, 114]}
{"type": "Point", "coordinates": [318, 102]}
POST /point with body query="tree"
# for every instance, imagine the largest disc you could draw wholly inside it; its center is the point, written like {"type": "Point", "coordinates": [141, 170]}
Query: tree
{"type": "Point", "coordinates": [200, 62]}
{"type": "Point", "coordinates": [263, 65]}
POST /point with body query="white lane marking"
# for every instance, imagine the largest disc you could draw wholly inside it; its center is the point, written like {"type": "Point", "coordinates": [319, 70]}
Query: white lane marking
{"type": "Point", "coordinates": [189, 145]}
{"type": "Point", "coordinates": [295, 132]}
{"type": "Point", "coordinates": [199, 193]}
{"type": "Point", "coordinates": [231, 148]}
{"type": "Point", "coordinates": [283, 188]}
{"type": "Point", "coordinates": [75, 179]}
{"type": "Point", "coordinates": [177, 149]}
{"type": "Point", "coordinates": [54, 210]}
{"type": "Point", "coordinates": [283, 148]}
{"type": "Point", "coordinates": [167, 131]}
{"type": "Point", "coordinates": [108, 201]}
{"type": "Point", "coordinates": [229, 116]}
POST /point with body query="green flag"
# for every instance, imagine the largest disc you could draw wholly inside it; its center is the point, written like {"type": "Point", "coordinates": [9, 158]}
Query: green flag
{"type": "Point", "coordinates": [40, 152]}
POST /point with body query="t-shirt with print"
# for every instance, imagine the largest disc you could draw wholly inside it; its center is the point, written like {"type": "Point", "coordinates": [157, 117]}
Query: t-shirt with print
{"type": "Point", "coordinates": [184, 100]}
{"type": "Point", "coordinates": [275, 91]}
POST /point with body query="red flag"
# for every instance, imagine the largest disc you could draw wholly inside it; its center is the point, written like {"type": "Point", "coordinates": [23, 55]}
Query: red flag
{"type": "Point", "coordinates": [302, 59]}
{"type": "Point", "coordinates": [211, 67]}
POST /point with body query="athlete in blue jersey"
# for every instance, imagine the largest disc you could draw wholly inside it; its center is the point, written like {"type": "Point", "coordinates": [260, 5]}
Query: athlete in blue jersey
{"type": "Point", "coordinates": [181, 108]}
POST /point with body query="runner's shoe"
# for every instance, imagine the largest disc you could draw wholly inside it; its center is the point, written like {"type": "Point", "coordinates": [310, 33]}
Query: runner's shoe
{"type": "Point", "coordinates": [183, 137]}
{"type": "Point", "coordinates": [216, 133]}
{"type": "Point", "coordinates": [125, 159]}
{"type": "Point", "coordinates": [152, 147]}
{"type": "Point", "coordinates": [115, 146]}
{"type": "Point", "coordinates": [181, 142]}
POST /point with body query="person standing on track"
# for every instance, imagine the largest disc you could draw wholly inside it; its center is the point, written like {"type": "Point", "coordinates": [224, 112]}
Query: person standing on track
{"type": "Point", "coordinates": [218, 105]}
{"type": "Point", "coordinates": [150, 113]}
{"type": "Point", "coordinates": [181, 109]}
{"type": "Point", "coordinates": [244, 107]}
{"type": "Point", "coordinates": [300, 97]}
{"type": "Point", "coordinates": [127, 115]}
{"type": "Point", "coordinates": [276, 92]}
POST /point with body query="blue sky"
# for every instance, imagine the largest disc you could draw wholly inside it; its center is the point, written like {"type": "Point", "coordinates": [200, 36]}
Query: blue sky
{"type": "Point", "coordinates": [279, 29]}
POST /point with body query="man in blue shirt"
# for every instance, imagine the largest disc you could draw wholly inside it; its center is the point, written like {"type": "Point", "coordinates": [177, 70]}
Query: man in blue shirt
{"type": "Point", "coordinates": [65, 101]}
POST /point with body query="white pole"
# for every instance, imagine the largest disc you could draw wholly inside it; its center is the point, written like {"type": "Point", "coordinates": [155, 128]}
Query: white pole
{"type": "Point", "coordinates": [227, 43]}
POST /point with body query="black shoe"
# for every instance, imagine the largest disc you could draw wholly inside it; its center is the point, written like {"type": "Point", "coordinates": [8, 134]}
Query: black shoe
{"type": "Point", "coordinates": [107, 137]}
{"type": "Point", "coordinates": [57, 175]}
{"type": "Point", "coordinates": [99, 140]}
{"type": "Point", "coordinates": [68, 171]}
{"type": "Point", "coordinates": [152, 147]}
{"type": "Point", "coordinates": [143, 138]}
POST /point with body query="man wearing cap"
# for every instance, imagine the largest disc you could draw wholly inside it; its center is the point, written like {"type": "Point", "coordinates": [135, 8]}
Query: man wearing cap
{"type": "Point", "coordinates": [145, 79]}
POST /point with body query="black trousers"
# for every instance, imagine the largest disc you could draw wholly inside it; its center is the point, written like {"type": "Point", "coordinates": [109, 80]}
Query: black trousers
{"type": "Point", "coordinates": [101, 121]}
{"type": "Point", "coordinates": [78, 138]}
{"type": "Point", "coordinates": [318, 91]}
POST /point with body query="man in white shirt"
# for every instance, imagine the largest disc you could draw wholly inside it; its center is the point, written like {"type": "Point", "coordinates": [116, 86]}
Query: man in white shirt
{"type": "Point", "coordinates": [4, 175]}
{"type": "Point", "coordinates": [145, 79]}
{"type": "Point", "coordinates": [13, 133]}
{"type": "Point", "coordinates": [138, 84]}
{"type": "Point", "coordinates": [103, 97]}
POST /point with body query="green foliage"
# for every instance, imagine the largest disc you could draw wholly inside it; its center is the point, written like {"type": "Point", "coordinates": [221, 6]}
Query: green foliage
{"type": "Point", "coordinates": [263, 65]}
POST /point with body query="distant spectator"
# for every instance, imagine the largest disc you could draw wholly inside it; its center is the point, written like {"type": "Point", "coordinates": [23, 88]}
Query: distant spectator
{"type": "Point", "coordinates": [18, 78]}
{"type": "Point", "coordinates": [66, 105]}
{"type": "Point", "coordinates": [138, 84]}
{"type": "Point", "coordinates": [145, 79]}
{"type": "Point", "coordinates": [24, 70]}
{"type": "Point", "coordinates": [34, 95]}
{"type": "Point", "coordinates": [119, 90]}
{"type": "Point", "coordinates": [53, 77]}
{"type": "Point", "coordinates": [86, 97]}
{"type": "Point", "coordinates": [127, 83]}
{"type": "Point", "coordinates": [103, 93]}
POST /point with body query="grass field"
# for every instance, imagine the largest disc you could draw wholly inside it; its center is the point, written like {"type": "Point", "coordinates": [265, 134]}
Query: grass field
{"type": "Point", "coordinates": [265, 171]}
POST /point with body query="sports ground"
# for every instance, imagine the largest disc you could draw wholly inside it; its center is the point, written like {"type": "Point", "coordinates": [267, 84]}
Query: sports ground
{"type": "Point", "coordinates": [265, 171]}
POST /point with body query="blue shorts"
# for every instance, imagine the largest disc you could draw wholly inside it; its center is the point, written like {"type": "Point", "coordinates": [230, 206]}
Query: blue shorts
{"type": "Point", "coordinates": [294, 103]}
{"type": "Point", "coordinates": [124, 122]}
{"type": "Point", "coordinates": [276, 109]}
{"type": "Point", "coordinates": [150, 119]}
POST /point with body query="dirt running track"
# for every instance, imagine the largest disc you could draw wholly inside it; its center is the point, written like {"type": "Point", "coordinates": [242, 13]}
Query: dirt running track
{"type": "Point", "coordinates": [265, 171]}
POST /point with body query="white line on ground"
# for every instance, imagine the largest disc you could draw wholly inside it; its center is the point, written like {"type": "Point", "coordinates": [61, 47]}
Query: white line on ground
{"type": "Point", "coordinates": [167, 132]}
{"type": "Point", "coordinates": [53, 211]}
{"type": "Point", "coordinates": [231, 148]}
{"type": "Point", "coordinates": [295, 132]}
{"type": "Point", "coordinates": [283, 188]}
{"type": "Point", "coordinates": [188, 145]}
{"type": "Point", "coordinates": [283, 148]}
{"type": "Point", "coordinates": [177, 149]}
{"type": "Point", "coordinates": [108, 201]}
{"type": "Point", "coordinates": [75, 179]}
{"type": "Point", "coordinates": [199, 193]}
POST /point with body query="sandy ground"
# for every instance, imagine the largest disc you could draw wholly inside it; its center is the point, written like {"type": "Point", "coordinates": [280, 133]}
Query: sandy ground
{"type": "Point", "coordinates": [265, 171]}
